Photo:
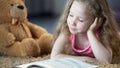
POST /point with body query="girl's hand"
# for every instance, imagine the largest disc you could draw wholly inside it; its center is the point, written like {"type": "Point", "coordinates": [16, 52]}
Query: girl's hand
{"type": "Point", "coordinates": [96, 24]}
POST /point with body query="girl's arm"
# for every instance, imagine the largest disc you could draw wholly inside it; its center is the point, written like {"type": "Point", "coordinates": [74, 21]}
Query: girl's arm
{"type": "Point", "coordinates": [101, 52]}
{"type": "Point", "coordinates": [58, 45]}
{"type": "Point", "coordinates": [57, 51]}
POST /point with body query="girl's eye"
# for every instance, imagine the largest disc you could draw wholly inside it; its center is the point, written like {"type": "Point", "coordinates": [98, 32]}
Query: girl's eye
{"type": "Point", "coordinates": [80, 20]}
{"type": "Point", "coordinates": [70, 15]}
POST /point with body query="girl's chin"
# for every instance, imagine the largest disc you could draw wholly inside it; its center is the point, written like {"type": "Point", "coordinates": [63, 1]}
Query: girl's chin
{"type": "Point", "coordinates": [74, 32]}
{"type": "Point", "coordinates": [77, 32]}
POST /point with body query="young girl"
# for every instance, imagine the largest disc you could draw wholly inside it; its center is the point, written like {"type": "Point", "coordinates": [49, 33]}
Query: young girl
{"type": "Point", "coordinates": [87, 32]}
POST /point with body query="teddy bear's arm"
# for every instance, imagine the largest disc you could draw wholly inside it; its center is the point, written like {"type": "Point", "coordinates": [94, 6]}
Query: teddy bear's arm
{"type": "Point", "coordinates": [36, 31]}
{"type": "Point", "coordinates": [6, 38]}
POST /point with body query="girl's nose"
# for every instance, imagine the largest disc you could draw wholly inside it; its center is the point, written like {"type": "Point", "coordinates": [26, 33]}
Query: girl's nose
{"type": "Point", "coordinates": [74, 21]}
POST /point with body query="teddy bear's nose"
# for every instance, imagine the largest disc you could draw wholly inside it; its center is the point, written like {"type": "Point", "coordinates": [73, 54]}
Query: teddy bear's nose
{"type": "Point", "coordinates": [20, 7]}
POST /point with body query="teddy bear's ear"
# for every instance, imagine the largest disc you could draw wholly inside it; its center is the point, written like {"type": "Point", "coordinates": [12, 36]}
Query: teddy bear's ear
{"type": "Point", "coordinates": [23, 0]}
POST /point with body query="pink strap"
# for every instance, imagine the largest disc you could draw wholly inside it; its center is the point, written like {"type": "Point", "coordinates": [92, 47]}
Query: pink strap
{"type": "Point", "coordinates": [83, 52]}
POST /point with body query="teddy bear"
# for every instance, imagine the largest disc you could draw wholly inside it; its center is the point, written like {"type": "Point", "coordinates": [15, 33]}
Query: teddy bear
{"type": "Point", "coordinates": [18, 36]}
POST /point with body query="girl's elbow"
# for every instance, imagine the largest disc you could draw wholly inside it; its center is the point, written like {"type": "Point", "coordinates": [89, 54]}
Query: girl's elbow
{"type": "Point", "coordinates": [107, 59]}
{"type": "Point", "coordinates": [110, 59]}
{"type": "Point", "coordinates": [56, 56]}
{"type": "Point", "coordinates": [53, 56]}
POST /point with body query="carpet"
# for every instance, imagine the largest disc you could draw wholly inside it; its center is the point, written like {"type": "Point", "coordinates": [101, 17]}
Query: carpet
{"type": "Point", "coordinates": [9, 62]}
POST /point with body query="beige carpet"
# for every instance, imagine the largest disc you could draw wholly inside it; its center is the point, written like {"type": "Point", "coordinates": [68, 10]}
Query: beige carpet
{"type": "Point", "coordinates": [9, 62]}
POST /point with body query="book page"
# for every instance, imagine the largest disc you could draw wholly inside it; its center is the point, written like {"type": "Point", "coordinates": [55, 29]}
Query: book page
{"type": "Point", "coordinates": [58, 63]}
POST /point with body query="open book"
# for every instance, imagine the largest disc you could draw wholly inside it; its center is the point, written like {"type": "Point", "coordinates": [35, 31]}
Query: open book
{"type": "Point", "coordinates": [58, 63]}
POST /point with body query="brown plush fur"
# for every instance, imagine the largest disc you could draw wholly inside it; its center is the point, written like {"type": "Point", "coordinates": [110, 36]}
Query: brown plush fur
{"type": "Point", "coordinates": [19, 37]}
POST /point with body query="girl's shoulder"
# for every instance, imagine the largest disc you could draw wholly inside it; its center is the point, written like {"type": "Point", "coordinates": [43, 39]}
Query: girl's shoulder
{"type": "Point", "coordinates": [62, 37]}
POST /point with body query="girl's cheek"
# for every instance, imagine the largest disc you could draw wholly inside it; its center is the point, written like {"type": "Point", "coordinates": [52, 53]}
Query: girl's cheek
{"type": "Point", "coordinates": [67, 21]}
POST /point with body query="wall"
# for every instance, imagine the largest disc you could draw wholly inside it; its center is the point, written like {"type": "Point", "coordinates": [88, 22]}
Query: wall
{"type": "Point", "coordinates": [55, 7]}
{"type": "Point", "coordinates": [59, 6]}
{"type": "Point", "coordinates": [115, 4]}
{"type": "Point", "coordinates": [38, 7]}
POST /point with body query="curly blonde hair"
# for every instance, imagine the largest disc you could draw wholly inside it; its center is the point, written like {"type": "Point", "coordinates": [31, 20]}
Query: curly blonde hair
{"type": "Point", "coordinates": [108, 31]}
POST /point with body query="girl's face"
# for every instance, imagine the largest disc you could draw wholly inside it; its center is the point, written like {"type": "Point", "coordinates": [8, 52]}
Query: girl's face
{"type": "Point", "coordinates": [79, 20]}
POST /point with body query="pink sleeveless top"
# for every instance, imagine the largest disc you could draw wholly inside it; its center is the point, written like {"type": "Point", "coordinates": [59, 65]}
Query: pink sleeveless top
{"type": "Point", "coordinates": [82, 52]}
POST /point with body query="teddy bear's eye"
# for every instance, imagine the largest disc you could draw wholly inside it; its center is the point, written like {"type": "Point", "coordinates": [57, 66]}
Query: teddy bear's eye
{"type": "Point", "coordinates": [11, 4]}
